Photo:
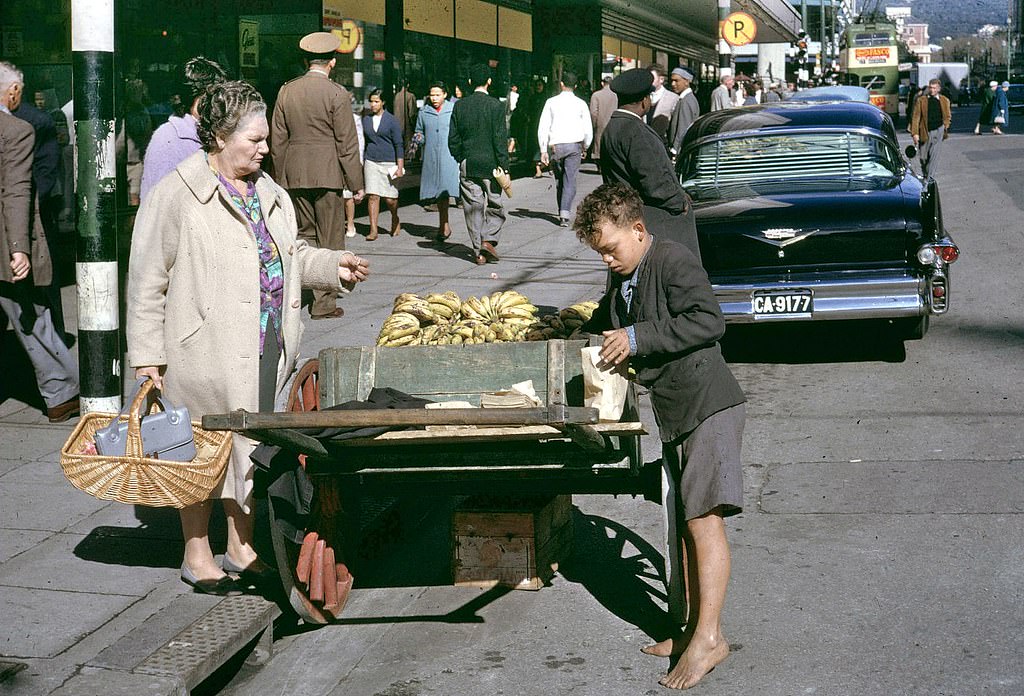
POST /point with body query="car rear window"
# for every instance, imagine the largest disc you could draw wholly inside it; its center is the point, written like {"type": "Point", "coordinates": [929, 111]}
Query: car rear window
{"type": "Point", "coordinates": [802, 157]}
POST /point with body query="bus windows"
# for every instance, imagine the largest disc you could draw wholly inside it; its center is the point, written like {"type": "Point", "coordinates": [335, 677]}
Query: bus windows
{"type": "Point", "coordinates": [872, 82]}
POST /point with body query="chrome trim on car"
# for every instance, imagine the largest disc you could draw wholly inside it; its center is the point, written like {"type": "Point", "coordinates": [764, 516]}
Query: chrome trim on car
{"type": "Point", "coordinates": [845, 295]}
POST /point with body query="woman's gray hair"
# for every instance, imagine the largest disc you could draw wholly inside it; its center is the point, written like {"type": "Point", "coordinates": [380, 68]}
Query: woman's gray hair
{"type": "Point", "coordinates": [224, 106]}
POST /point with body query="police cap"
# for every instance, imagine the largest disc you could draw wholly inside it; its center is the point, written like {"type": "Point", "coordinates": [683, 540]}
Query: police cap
{"type": "Point", "coordinates": [320, 43]}
{"type": "Point", "coordinates": [633, 85]}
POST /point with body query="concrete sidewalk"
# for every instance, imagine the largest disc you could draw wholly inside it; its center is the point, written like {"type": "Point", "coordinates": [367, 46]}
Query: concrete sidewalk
{"type": "Point", "coordinates": [90, 589]}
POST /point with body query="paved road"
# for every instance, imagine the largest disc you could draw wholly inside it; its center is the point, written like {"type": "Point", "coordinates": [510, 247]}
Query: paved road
{"type": "Point", "coordinates": [881, 547]}
{"type": "Point", "coordinates": [880, 551]}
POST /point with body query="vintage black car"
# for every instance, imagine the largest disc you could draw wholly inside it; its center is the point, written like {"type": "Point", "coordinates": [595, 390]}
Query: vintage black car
{"type": "Point", "coordinates": [809, 211]}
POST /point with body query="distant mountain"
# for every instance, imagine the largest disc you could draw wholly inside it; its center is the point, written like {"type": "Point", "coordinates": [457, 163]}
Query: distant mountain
{"type": "Point", "coordinates": [950, 17]}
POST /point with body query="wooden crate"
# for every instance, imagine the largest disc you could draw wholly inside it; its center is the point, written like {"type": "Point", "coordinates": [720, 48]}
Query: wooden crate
{"type": "Point", "coordinates": [513, 542]}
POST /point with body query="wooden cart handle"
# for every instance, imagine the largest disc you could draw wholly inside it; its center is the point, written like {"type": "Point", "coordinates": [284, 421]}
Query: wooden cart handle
{"type": "Point", "coordinates": [368, 418]}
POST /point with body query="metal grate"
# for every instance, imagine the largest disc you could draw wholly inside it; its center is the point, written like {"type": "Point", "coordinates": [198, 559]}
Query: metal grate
{"type": "Point", "coordinates": [212, 639]}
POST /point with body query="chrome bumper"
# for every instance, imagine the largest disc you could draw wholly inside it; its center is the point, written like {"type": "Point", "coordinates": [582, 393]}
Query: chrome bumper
{"type": "Point", "coordinates": [844, 295]}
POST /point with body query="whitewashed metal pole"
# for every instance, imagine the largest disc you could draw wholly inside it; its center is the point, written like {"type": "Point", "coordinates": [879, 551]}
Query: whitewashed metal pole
{"type": "Point", "coordinates": [724, 50]}
{"type": "Point", "coordinates": [92, 61]}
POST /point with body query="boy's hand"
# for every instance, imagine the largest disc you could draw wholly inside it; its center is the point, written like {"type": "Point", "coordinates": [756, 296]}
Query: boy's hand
{"type": "Point", "coordinates": [615, 347]}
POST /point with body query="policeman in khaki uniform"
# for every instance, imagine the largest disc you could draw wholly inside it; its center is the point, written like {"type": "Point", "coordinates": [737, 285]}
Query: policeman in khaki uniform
{"type": "Point", "coordinates": [313, 117]}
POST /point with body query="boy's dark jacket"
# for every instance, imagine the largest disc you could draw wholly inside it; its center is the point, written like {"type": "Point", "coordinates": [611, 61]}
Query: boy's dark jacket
{"type": "Point", "coordinates": [677, 322]}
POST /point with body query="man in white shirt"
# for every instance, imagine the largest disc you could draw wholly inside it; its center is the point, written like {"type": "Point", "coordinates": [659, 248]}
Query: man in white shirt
{"type": "Point", "coordinates": [564, 133]}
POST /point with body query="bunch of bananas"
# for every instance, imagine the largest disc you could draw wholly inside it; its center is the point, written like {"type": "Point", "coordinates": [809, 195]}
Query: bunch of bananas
{"type": "Point", "coordinates": [503, 316]}
{"type": "Point", "coordinates": [565, 324]}
{"type": "Point", "coordinates": [400, 329]}
{"type": "Point", "coordinates": [507, 305]}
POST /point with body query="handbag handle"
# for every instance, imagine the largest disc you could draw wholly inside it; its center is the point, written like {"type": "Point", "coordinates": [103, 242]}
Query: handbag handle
{"type": "Point", "coordinates": [133, 442]}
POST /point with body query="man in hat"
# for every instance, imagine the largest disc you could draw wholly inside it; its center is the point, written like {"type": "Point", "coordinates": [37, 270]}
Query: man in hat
{"type": "Point", "coordinates": [316, 153]}
{"type": "Point", "coordinates": [478, 140]}
{"type": "Point", "coordinates": [929, 126]}
{"type": "Point", "coordinates": [633, 154]}
{"type": "Point", "coordinates": [686, 112]}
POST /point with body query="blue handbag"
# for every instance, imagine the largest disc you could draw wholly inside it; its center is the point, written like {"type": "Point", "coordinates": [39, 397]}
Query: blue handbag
{"type": "Point", "coordinates": [166, 434]}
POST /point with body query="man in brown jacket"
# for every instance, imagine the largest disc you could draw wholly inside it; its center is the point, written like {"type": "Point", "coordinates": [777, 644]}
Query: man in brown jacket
{"type": "Point", "coordinates": [929, 126]}
{"type": "Point", "coordinates": [25, 268]}
{"type": "Point", "coordinates": [313, 117]}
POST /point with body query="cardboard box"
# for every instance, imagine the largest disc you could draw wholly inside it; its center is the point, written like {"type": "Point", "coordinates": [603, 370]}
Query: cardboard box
{"type": "Point", "coordinates": [514, 542]}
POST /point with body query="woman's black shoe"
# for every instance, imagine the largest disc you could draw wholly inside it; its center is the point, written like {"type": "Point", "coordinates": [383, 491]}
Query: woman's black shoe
{"type": "Point", "coordinates": [224, 586]}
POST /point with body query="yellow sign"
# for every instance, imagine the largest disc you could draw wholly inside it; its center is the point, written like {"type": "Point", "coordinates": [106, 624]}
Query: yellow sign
{"type": "Point", "coordinates": [880, 56]}
{"type": "Point", "coordinates": [349, 34]}
{"type": "Point", "coordinates": [739, 29]}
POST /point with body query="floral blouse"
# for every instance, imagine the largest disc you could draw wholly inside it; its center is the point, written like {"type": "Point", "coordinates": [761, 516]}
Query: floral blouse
{"type": "Point", "coordinates": [271, 270]}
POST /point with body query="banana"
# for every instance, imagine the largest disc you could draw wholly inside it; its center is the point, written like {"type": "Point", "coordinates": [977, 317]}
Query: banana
{"type": "Point", "coordinates": [441, 310]}
{"type": "Point", "coordinates": [409, 340]}
{"type": "Point", "coordinates": [457, 340]}
{"type": "Point", "coordinates": [520, 311]}
{"type": "Point", "coordinates": [402, 333]}
{"type": "Point", "coordinates": [405, 296]}
{"type": "Point", "coordinates": [472, 309]}
{"type": "Point", "coordinates": [486, 302]}
{"type": "Point", "coordinates": [451, 299]}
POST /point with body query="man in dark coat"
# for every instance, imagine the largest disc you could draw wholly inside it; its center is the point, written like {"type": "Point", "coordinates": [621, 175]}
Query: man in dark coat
{"type": "Point", "coordinates": [25, 267]}
{"type": "Point", "coordinates": [478, 140]}
{"type": "Point", "coordinates": [633, 154]}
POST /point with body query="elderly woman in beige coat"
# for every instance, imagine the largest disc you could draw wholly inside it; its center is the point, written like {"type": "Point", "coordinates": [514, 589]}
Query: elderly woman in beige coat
{"type": "Point", "coordinates": [214, 282]}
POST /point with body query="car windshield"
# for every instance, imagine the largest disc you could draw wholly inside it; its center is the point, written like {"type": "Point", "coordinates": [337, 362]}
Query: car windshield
{"type": "Point", "coordinates": [798, 157]}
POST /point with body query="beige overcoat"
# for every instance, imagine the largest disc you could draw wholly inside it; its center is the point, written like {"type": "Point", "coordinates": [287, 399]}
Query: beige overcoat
{"type": "Point", "coordinates": [193, 298]}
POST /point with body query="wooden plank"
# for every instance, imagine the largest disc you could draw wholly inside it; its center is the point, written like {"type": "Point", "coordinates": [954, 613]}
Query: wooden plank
{"type": "Point", "coordinates": [487, 434]}
{"type": "Point", "coordinates": [556, 380]}
{"type": "Point", "coordinates": [244, 420]}
{"type": "Point", "coordinates": [367, 372]}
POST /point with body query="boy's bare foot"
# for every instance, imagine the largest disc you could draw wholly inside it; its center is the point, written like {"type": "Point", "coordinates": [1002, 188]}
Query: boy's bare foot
{"type": "Point", "coordinates": [670, 647]}
{"type": "Point", "coordinates": [700, 657]}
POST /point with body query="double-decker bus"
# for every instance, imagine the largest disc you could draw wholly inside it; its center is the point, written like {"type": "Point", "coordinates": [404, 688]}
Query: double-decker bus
{"type": "Point", "coordinates": [869, 57]}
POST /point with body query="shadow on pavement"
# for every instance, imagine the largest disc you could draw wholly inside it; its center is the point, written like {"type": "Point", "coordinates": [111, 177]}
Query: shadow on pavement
{"type": "Point", "coordinates": [535, 215]}
{"type": "Point", "coordinates": [809, 343]}
{"type": "Point", "coordinates": [621, 571]}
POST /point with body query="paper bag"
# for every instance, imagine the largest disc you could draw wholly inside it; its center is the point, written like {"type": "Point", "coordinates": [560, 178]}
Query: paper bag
{"type": "Point", "coordinates": [604, 389]}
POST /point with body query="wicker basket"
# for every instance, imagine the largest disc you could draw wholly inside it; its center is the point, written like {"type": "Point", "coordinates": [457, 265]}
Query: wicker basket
{"type": "Point", "coordinates": [140, 480]}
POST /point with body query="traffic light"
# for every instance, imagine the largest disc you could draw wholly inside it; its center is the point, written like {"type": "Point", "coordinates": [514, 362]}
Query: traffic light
{"type": "Point", "coordinates": [801, 48]}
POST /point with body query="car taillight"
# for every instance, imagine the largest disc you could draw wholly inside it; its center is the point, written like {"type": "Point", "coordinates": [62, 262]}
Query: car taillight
{"type": "Point", "coordinates": [929, 253]}
{"type": "Point", "coordinates": [949, 252]}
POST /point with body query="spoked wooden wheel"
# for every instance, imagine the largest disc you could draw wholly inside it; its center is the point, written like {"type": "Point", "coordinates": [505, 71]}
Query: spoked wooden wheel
{"type": "Point", "coordinates": [313, 575]}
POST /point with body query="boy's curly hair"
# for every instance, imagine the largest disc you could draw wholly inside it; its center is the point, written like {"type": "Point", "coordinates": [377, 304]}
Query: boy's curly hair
{"type": "Point", "coordinates": [615, 203]}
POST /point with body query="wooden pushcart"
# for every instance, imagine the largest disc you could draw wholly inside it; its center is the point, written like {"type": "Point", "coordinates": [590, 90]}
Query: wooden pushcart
{"type": "Point", "coordinates": [556, 448]}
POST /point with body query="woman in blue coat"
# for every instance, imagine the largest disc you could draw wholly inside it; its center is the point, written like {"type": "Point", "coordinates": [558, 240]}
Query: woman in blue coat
{"type": "Point", "coordinates": [1001, 108]}
{"type": "Point", "coordinates": [439, 179]}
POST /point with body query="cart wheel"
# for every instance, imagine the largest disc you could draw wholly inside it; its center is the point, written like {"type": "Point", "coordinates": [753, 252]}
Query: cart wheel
{"type": "Point", "coordinates": [313, 575]}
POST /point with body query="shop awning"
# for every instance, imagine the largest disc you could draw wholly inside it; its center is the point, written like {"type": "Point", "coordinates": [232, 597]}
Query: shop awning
{"type": "Point", "coordinates": [690, 27]}
{"type": "Point", "coordinates": [777, 20]}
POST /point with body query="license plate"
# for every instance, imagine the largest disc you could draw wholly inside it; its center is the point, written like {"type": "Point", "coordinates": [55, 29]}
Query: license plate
{"type": "Point", "coordinates": [782, 303]}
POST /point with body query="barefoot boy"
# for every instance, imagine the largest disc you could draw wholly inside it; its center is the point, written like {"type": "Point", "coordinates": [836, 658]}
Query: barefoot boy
{"type": "Point", "coordinates": [661, 313]}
